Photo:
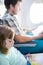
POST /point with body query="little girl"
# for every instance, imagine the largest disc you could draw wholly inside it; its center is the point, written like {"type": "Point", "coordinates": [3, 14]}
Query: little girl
{"type": "Point", "coordinates": [8, 54]}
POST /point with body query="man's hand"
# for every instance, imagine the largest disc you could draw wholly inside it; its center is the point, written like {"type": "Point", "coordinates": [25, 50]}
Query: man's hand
{"type": "Point", "coordinates": [41, 35]}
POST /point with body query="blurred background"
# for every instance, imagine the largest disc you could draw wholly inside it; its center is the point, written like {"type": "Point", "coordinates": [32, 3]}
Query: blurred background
{"type": "Point", "coordinates": [31, 14]}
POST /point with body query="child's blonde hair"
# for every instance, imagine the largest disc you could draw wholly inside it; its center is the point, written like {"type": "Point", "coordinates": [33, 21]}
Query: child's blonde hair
{"type": "Point", "coordinates": [5, 32]}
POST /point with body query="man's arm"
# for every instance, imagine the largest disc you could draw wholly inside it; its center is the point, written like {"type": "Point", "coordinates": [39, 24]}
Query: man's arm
{"type": "Point", "coordinates": [20, 38]}
{"type": "Point", "coordinates": [29, 29]}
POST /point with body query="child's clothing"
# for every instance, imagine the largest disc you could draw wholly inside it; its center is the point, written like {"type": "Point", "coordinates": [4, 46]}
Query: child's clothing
{"type": "Point", "coordinates": [14, 57]}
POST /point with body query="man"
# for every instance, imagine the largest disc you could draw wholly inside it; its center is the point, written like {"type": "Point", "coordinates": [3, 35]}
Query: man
{"type": "Point", "coordinates": [13, 7]}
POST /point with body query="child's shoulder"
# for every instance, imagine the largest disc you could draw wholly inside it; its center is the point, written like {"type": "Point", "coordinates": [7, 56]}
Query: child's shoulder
{"type": "Point", "coordinates": [12, 50]}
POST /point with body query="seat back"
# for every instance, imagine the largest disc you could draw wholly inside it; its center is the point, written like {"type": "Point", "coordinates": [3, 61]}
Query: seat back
{"type": "Point", "coordinates": [1, 22]}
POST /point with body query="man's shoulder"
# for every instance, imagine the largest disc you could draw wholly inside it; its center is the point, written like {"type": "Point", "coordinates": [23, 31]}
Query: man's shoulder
{"type": "Point", "coordinates": [8, 19]}
{"type": "Point", "coordinates": [7, 16]}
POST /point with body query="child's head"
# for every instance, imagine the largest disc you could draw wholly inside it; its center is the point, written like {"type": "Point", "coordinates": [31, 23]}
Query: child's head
{"type": "Point", "coordinates": [6, 38]}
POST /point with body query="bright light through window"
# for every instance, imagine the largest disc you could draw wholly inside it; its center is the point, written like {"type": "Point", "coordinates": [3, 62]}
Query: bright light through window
{"type": "Point", "coordinates": [36, 13]}
{"type": "Point", "coordinates": [2, 10]}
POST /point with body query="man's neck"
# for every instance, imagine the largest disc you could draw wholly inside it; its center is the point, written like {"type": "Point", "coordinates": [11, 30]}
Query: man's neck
{"type": "Point", "coordinates": [10, 12]}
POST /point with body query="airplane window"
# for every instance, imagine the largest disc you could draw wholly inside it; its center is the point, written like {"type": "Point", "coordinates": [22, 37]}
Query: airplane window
{"type": "Point", "coordinates": [2, 8]}
{"type": "Point", "coordinates": [36, 13]}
